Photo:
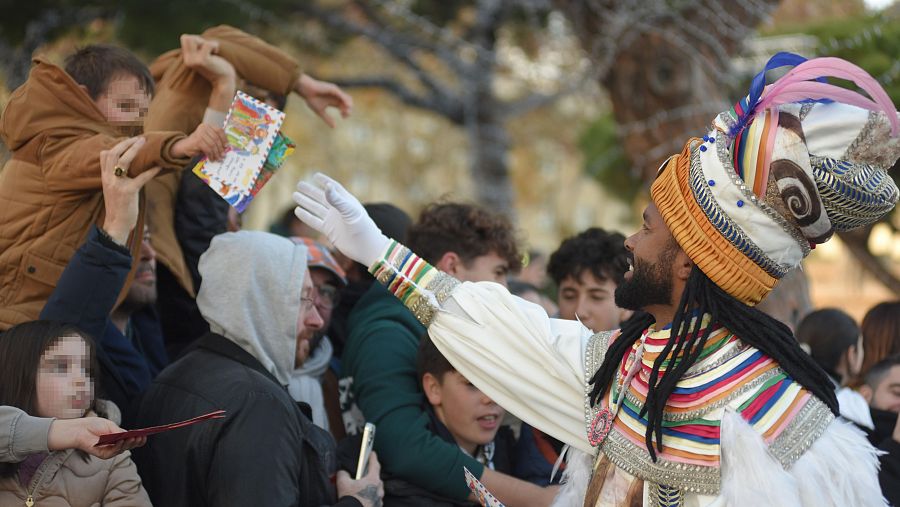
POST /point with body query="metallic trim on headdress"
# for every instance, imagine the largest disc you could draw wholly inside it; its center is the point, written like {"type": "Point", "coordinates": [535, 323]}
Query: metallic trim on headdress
{"type": "Point", "coordinates": [729, 229]}
{"type": "Point", "coordinates": [853, 194]}
{"type": "Point", "coordinates": [874, 144]}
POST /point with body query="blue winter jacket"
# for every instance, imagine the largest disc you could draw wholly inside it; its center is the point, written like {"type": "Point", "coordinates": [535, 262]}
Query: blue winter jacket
{"type": "Point", "coordinates": [84, 296]}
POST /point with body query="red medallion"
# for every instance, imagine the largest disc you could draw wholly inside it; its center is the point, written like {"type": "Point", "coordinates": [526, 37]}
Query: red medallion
{"type": "Point", "coordinates": [600, 427]}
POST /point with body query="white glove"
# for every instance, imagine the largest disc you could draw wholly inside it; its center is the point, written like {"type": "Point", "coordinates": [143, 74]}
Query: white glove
{"type": "Point", "coordinates": [330, 209]}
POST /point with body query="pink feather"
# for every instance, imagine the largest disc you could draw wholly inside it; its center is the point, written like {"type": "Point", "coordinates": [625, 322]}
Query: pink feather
{"type": "Point", "coordinates": [797, 85]}
{"type": "Point", "coordinates": [798, 91]}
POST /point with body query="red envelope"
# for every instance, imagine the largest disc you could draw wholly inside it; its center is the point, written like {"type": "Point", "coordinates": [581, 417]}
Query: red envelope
{"type": "Point", "coordinates": [112, 438]}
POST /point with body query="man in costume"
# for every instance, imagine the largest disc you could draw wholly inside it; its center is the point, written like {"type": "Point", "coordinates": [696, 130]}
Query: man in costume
{"type": "Point", "coordinates": [702, 400]}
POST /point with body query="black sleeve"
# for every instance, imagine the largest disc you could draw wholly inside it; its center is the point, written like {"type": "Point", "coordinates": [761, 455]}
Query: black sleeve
{"type": "Point", "coordinates": [87, 290]}
{"type": "Point", "coordinates": [889, 475]}
{"type": "Point", "coordinates": [200, 214]}
{"type": "Point", "coordinates": [257, 457]}
{"type": "Point", "coordinates": [348, 501]}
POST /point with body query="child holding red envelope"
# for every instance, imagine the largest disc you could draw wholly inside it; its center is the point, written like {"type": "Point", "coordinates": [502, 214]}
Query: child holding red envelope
{"type": "Point", "coordinates": [49, 372]}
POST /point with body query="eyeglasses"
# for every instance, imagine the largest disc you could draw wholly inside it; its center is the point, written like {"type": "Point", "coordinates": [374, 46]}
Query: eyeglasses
{"type": "Point", "coordinates": [327, 296]}
{"type": "Point", "coordinates": [307, 303]}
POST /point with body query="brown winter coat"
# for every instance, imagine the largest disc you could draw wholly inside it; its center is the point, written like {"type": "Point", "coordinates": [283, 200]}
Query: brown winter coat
{"type": "Point", "coordinates": [65, 479]}
{"type": "Point", "coordinates": [181, 98]}
{"type": "Point", "coordinates": [50, 191]}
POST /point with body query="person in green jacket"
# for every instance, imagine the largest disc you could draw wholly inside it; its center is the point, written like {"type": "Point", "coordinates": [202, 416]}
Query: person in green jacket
{"type": "Point", "coordinates": [379, 382]}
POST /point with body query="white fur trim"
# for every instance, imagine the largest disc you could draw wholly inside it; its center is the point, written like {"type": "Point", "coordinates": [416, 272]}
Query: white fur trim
{"type": "Point", "coordinates": [750, 475]}
{"type": "Point", "coordinates": [854, 407]}
{"type": "Point", "coordinates": [575, 479]}
{"type": "Point", "coordinates": [839, 469]}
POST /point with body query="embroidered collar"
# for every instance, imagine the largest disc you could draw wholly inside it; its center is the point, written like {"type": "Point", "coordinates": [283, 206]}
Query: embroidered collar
{"type": "Point", "coordinates": [729, 373]}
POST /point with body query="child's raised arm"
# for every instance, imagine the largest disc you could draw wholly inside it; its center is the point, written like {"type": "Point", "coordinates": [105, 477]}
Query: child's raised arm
{"type": "Point", "coordinates": [72, 163]}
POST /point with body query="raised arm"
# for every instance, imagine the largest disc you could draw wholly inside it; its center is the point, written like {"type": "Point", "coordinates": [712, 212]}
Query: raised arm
{"type": "Point", "coordinates": [73, 162]}
{"type": "Point", "coordinates": [271, 68]}
{"type": "Point", "coordinates": [528, 363]}
{"type": "Point", "coordinates": [202, 73]}
{"type": "Point", "coordinates": [22, 435]}
{"type": "Point", "coordinates": [88, 288]}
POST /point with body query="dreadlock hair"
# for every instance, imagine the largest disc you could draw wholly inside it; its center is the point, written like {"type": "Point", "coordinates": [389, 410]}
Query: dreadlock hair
{"type": "Point", "coordinates": [701, 296]}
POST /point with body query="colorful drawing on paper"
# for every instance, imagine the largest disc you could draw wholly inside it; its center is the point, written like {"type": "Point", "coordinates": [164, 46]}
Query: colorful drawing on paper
{"type": "Point", "coordinates": [282, 148]}
{"type": "Point", "coordinates": [256, 150]}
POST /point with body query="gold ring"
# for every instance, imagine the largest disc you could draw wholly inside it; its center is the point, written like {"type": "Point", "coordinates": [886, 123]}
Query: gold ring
{"type": "Point", "coordinates": [120, 171]}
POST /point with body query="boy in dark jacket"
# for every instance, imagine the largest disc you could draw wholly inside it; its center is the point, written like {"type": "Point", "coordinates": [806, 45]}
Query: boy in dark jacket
{"type": "Point", "coordinates": [882, 391]}
{"type": "Point", "coordinates": [459, 414]}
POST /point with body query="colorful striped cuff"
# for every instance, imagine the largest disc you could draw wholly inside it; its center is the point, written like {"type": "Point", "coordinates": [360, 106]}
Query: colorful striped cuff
{"type": "Point", "coordinates": [420, 286]}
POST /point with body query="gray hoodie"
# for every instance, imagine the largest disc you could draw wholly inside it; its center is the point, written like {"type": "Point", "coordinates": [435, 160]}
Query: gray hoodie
{"type": "Point", "coordinates": [21, 434]}
{"type": "Point", "coordinates": [251, 292]}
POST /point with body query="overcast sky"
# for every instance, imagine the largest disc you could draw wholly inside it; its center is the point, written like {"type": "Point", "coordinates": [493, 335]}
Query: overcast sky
{"type": "Point", "coordinates": [878, 4]}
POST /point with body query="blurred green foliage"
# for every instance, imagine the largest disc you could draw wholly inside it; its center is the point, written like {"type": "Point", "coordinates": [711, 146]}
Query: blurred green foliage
{"type": "Point", "coordinates": [148, 27]}
{"type": "Point", "coordinates": [871, 41]}
{"type": "Point", "coordinates": [605, 160]}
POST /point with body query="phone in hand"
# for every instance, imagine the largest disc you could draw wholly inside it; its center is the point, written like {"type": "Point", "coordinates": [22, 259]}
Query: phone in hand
{"type": "Point", "coordinates": [368, 440]}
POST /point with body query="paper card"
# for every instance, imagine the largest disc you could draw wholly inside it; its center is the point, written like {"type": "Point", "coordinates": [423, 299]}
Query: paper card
{"type": "Point", "coordinates": [252, 128]}
{"type": "Point", "coordinates": [282, 148]}
{"type": "Point", "coordinates": [112, 438]}
{"type": "Point", "coordinates": [484, 497]}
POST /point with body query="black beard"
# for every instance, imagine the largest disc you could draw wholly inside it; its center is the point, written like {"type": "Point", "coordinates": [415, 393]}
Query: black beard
{"type": "Point", "coordinates": [647, 286]}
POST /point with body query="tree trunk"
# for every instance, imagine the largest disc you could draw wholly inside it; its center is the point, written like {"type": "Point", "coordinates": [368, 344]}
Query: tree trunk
{"type": "Point", "coordinates": [485, 124]}
{"type": "Point", "coordinates": [665, 66]}
{"type": "Point", "coordinates": [650, 79]}
{"type": "Point", "coordinates": [489, 145]}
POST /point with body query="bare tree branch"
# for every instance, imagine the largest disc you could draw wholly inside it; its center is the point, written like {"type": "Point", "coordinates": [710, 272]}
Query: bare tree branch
{"type": "Point", "coordinates": [537, 100]}
{"type": "Point", "coordinates": [490, 16]}
{"type": "Point", "coordinates": [449, 109]}
{"type": "Point", "coordinates": [402, 48]}
{"type": "Point", "coordinates": [439, 49]}
{"type": "Point", "coordinates": [400, 45]}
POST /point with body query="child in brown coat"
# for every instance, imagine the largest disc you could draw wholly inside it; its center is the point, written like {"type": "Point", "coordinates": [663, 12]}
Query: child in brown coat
{"type": "Point", "coordinates": [56, 124]}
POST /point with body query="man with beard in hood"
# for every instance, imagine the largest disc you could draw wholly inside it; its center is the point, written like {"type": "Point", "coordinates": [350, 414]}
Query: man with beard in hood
{"type": "Point", "coordinates": [701, 400]}
{"type": "Point", "coordinates": [314, 348]}
{"type": "Point", "coordinates": [257, 296]}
